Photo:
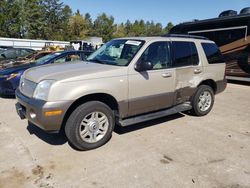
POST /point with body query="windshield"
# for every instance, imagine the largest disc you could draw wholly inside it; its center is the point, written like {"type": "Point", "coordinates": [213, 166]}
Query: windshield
{"type": "Point", "coordinates": [116, 52]}
{"type": "Point", "coordinates": [44, 59]}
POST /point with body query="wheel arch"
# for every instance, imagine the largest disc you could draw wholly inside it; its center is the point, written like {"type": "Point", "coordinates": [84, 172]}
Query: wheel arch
{"type": "Point", "coordinates": [210, 83]}
{"type": "Point", "coordinates": [101, 97]}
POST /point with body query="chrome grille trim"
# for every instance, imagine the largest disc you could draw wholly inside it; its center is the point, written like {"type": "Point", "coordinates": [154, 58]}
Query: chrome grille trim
{"type": "Point", "coordinates": [27, 87]}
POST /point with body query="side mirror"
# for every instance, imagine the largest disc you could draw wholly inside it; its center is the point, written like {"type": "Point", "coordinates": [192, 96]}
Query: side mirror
{"type": "Point", "coordinates": [3, 55]}
{"type": "Point", "coordinates": [143, 66]}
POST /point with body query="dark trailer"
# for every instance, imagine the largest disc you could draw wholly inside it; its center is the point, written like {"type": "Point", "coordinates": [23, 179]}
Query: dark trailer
{"type": "Point", "coordinates": [231, 32]}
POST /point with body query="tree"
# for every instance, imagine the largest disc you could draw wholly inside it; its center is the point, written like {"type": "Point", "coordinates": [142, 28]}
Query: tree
{"type": "Point", "coordinates": [128, 27]}
{"type": "Point", "coordinates": [34, 20]}
{"type": "Point", "coordinates": [65, 17]}
{"type": "Point", "coordinates": [13, 18]}
{"type": "Point", "coordinates": [158, 29]}
{"type": "Point", "coordinates": [3, 20]}
{"type": "Point", "coordinates": [104, 27]}
{"type": "Point", "coordinates": [56, 18]}
{"type": "Point", "coordinates": [77, 25]}
{"type": "Point", "coordinates": [138, 28]}
{"type": "Point", "coordinates": [89, 24]}
{"type": "Point", "coordinates": [52, 20]}
{"type": "Point", "coordinates": [169, 26]}
{"type": "Point", "coordinates": [120, 31]}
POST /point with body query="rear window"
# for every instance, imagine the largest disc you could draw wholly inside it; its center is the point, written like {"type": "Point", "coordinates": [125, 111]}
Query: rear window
{"type": "Point", "coordinates": [185, 54]}
{"type": "Point", "coordinates": [212, 52]}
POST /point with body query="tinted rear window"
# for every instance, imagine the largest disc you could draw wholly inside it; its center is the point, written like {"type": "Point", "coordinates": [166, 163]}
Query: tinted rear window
{"type": "Point", "coordinates": [185, 54]}
{"type": "Point", "coordinates": [212, 52]}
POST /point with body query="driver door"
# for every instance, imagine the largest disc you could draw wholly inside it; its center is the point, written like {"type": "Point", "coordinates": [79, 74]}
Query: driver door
{"type": "Point", "coordinates": [153, 89]}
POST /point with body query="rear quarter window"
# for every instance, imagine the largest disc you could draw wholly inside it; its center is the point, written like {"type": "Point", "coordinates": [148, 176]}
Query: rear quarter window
{"type": "Point", "coordinates": [213, 53]}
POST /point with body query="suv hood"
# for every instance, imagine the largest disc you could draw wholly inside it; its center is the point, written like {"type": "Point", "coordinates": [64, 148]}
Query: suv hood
{"type": "Point", "coordinates": [73, 72]}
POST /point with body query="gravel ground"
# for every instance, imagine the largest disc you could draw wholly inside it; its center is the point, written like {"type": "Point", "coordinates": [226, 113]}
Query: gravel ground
{"type": "Point", "coordinates": [176, 151]}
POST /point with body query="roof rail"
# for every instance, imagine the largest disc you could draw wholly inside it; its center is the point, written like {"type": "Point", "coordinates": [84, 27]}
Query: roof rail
{"type": "Point", "coordinates": [185, 36]}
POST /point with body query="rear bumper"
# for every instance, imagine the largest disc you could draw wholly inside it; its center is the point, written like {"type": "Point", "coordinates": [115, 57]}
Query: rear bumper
{"type": "Point", "coordinates": [221, 86]}
{"type": "Point", "coordinates": [27, 107]}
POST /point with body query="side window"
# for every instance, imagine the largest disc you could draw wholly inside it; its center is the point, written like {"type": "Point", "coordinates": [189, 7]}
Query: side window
{"type": "Point", "coordinates": [75, 57]}
{"type": "Point", "coordinates": [24, 52]}
{"type": "Point", "coordinates": [68, 58]}
{"type": "Point", "coordinates": [60, 60]}
{"type": "Point", "coordinates": [185, 54]}
{"type": "Point", "coordinates": [158, 54]}
{"type": "Point", "coordinates": [10, 54]}
{"type": "Point", "coordinates": [212, 52]}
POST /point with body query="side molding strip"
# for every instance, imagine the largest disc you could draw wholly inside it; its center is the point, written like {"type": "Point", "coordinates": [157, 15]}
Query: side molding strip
{"type": "Point", "coordinates": [155, 115]}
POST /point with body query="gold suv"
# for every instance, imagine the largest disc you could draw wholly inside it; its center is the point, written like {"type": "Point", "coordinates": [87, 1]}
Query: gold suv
{"type": "Point", "coordinates": [126, 81]}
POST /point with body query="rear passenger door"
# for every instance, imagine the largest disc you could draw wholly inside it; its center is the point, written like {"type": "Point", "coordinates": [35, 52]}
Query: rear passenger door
{"type": "Point", "coordinates": [188, 68]}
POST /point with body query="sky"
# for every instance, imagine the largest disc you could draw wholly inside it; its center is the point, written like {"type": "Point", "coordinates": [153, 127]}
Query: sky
{"type": "Point", "coordinates": [162, 11]}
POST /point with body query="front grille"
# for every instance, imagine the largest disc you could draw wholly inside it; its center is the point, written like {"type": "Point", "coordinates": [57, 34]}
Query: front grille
{"type": "Point", "coordinates": [27, 87]}
{"type": "Point", "coordinates": [7, 85]}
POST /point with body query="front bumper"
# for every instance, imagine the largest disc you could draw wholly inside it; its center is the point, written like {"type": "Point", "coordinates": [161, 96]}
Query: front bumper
{"type": "Point", "coordinates": [27, 107]}
{"type": "Point", "coordinates": [6, 87]}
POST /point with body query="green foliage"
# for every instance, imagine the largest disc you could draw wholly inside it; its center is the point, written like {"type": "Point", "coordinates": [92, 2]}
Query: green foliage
{"type": "Point", "coordinates": [168, 27]}
{"type": "Point", "coordinates": [34, 24]}
{"type": "Point", "coordinates": [52, 20]}
{"type": "Point", "coordinates": [120, 31]}
{"type": "Point", "coordinates": [3, 5]}
{"type": "Point", "coordinates": [12, 24]}
{"type": "Point", "coordinates": [104, 27]}
{"type": "Point", "coordinates": [77, 26]}
{"type": "Point", "coordinates": [56, 17]}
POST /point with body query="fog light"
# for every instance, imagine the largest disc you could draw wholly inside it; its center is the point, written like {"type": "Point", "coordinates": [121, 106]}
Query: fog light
{"type": "Point", "coordinates": [32, 114]}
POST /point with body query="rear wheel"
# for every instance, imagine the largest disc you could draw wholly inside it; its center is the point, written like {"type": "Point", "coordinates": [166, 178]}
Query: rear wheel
{"type": "Point", "coordinates": [90, 125]}
{"type": "Point", "coordinates": [244, 60]}
{"type": "Point", "coordinates": [203, 100]}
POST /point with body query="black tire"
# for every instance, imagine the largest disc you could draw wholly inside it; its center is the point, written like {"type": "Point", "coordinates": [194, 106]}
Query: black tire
{"type": "Point", "coordinates": [72, 127]}
{"type": "Point", "coordinates": [243, 63]}
{"type": "Point", "coordinates": [195, 101]}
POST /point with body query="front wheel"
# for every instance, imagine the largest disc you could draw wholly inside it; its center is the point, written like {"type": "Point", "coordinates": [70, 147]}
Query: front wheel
{"type": "Point", "coordinates": [90, 125]}
{"type": "Point", "coordinates": [203, 101]}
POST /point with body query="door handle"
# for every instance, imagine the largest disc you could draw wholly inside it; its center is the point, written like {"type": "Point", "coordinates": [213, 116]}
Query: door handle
{"type": "Point", "coordinates": [197, 71]}
{"type": "Point", "coordinates": [166, 75]}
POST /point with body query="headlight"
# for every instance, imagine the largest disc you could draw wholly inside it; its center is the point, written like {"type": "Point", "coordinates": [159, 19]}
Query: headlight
{"type": "Point", "coordinates": [21, 81]}
{"type": "Point", "coordinates": [13, 75]}
{"type": "Point", "coordinates": [42, 89]}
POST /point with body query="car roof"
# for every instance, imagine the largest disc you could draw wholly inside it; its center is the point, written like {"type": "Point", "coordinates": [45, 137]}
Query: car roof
{"type": "Point", "coordinates": [171, 36]}
{"type": "Point", "coordinates": [67, 51]}
{"type": "Point", "coordinates": [20, 49]}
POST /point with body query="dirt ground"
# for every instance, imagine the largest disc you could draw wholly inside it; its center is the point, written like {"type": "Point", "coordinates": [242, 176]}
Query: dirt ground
{"type": "Point", "coordinates": [176, 151]}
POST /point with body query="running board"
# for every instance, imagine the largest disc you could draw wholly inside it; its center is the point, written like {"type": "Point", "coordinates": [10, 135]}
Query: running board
{"type": "Point", "coordinates": [155, 115]}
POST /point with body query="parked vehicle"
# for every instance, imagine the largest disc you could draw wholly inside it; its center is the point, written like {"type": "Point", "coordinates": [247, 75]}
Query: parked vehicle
{"type": "Point", "coordinates": [231, 32]}
{"type": "Point", "coordinates": [10, 77]}
{"type": "Point", "coordinates": [51, 47]}
{"type": "Point", "coordinates": [3, 48]}
{"type": "Point", "coordinates": [124, 82]}
{"type": "Point", "coordinates": [80, 45]}
{"type": "Point", "coordinates": [14, 53]}
{"type": "Point", "coordinates": [23, 60]}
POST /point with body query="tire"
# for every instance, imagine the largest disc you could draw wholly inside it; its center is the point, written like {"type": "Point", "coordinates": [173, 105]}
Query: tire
{"type": "Point", "coordinates": [90, 125]}
{"type": "Point", "coordinates": [244, 64]}
{"type": "Point", "coordinates": [203, 101]}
